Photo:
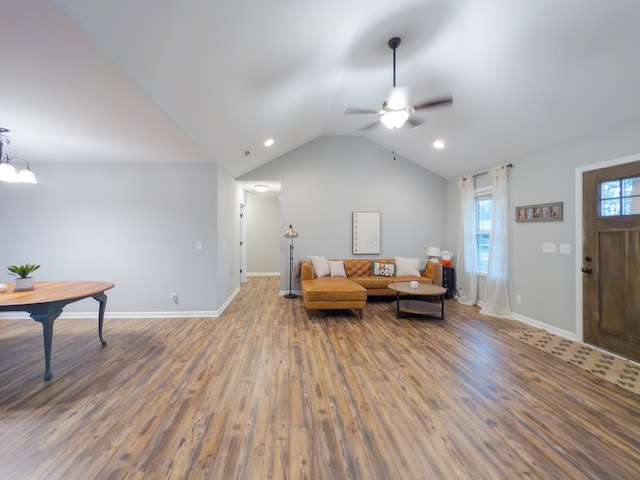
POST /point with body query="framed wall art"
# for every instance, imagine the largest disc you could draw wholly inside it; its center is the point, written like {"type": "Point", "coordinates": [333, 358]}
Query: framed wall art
{"type": "Point", "coordinates": [542, 212]}
{"type": "Point", "coordinates": [365, 233]}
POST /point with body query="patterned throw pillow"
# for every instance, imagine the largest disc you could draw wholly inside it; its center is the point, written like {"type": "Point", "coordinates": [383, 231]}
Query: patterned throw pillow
{"type": "Point", "coordinates": [383, 269]}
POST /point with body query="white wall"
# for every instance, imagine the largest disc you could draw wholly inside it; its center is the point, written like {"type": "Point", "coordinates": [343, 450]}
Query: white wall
{"type": "Point", "coordinates": [547, 282]}
{"type": "Point", "coordinates": [263, 233]}
{"type": "Point", "coordinates": [327, 179]}
{"type": "Point", "coordinates": [134, 225]}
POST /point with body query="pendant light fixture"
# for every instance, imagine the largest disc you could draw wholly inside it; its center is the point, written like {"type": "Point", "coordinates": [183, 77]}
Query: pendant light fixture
{"type": "Point", "coordinates": [8, 172]}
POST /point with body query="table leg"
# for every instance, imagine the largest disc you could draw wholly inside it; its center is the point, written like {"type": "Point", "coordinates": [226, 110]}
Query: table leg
{"type": "Point", "coordinates": [442, 306]}
{"type": "Point", "coordinates": [397, 304]}
{"type": "Point", "coordinates": [46, 319]}
{"type": "Point", "coordinates": [102, 299]}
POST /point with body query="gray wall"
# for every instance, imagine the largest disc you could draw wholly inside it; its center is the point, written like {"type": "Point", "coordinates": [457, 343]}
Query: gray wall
{"type": "Point", "coordinates": [134, 225]}
{"type": "Point", "coordinates": [547, 282]}
{"type": "Point", "coordinates": [327, 179]}
{"type": "Point", "coordinates": [263, 233]}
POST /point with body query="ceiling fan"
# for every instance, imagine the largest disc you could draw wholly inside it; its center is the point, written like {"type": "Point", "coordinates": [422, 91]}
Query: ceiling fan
{"type": "Point", "coordinates": [396, 111]}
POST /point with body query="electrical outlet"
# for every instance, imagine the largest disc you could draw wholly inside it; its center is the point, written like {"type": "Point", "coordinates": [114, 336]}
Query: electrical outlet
{"type": "Point", "coordinates": [549, 247]}
{"type": "Point", "coordinates": [174, 298]}
{"type": "Point", "coordinates": [565, 248]}
{"type": "Point", "coordinates": [518, 298]}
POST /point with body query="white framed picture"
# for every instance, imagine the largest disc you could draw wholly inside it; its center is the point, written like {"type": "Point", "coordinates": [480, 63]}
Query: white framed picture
{"type": "Point", "coordinates": [365, 233]}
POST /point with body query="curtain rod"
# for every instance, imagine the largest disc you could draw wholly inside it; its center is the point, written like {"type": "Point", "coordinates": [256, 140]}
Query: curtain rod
{"type": "Point", "coordinates": [484, 173]}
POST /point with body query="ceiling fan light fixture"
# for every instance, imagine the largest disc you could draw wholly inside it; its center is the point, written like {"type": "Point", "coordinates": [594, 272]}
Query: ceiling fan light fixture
{"type": "Point", "coordinates": [394, 119]}
{"type": "Point", "coordinates": [8, 172]}
{"type": "Point", "coordinates": [27, 176]}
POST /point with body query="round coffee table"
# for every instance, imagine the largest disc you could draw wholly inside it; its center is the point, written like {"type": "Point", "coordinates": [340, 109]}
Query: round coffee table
{"type": "Point", "coordinates": [415, 305]}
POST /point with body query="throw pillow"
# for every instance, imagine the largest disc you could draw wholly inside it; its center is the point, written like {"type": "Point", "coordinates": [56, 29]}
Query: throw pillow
{"type": "Point", "coordinates": [320, 266]}
{"type": "Point", "coordinates": [383, 269]}
{"type": "Point", "coordinates": [337, 268]}
{"type": "Point", "coordinates": [429, 269]}
{"type": "Point", "coordinates": [407, 267]}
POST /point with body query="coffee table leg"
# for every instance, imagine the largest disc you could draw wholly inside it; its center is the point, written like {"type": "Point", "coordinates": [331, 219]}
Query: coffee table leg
{"type": "Point", "coordinates": [397, 304]}
{"type": "Point", "coordinates": [442, 307]}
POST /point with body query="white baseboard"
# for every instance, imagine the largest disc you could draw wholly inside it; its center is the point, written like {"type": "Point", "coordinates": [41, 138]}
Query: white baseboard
{"type": "Point", "coordinates": [108, 314]}
{"type": "Point", "coordinates": [544, 326]}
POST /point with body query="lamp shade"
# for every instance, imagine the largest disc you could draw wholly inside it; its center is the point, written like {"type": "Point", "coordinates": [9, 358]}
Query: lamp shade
{"type": "Point", "coordinates": [433, 252]}
{"type": "Point", "coordinates": [290, 233]}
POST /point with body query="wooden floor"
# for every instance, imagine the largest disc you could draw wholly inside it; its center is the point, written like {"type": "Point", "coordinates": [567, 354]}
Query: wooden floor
{"type": "Point", "coordinates": [269, 391]}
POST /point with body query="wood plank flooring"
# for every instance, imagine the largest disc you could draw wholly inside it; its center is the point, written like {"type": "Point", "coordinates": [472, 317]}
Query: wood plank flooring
{"type": "Point", "coordinates": [268, 391]}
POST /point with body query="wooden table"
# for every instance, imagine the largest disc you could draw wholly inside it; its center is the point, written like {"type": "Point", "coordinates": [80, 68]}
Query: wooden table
{"type": "Point", "coordinates": [45, 303]}
{"type": "Point", "coordinates": [417, 306]}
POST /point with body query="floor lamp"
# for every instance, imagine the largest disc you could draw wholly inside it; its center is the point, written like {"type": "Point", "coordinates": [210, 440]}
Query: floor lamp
{"type": "Point", "coordinates": [290, 233]}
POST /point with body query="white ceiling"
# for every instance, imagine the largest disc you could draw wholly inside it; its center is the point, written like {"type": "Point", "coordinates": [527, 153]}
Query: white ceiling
{"type": "Point", "coordinates": [204, 81]}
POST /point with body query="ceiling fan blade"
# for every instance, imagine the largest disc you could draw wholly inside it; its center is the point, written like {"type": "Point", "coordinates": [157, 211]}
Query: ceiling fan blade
{"type": "Point", "coordinates": [355, 110]}
{"type": "Point", "coordinates": [435, 102]}
{"type": "Point", "coordinates": [371, 126]}
{"type": "Point", "coordinates": [415, 122]}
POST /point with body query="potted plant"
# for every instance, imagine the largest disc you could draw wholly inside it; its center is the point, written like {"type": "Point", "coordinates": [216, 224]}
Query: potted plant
{"type": "Point", "coordinates": [24, 281]}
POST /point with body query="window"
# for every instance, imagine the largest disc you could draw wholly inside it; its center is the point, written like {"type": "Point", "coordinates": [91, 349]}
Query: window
{"type": "Point", "coordinates": [620, 197]}
{"type": "Point", "coordinates": [484, 207]}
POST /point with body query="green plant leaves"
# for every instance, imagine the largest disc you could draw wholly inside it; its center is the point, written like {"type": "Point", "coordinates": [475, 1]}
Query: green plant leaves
{"type": "Point", "coordinates": [22, 271]}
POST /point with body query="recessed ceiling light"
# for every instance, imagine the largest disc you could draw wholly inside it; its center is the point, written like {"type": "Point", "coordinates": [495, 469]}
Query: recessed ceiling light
{"type": "Point", "coordinates": [439, 144]}
{"type": "Point", "coordinates": [261, 188]}
{"type": "Point", "coordinates": [268, 142]}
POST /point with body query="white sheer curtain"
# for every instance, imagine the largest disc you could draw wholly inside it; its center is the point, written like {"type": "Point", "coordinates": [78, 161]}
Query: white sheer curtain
{"type": "Point", "coordinates": [496, 299]}
{"type": "Point", "coordinates": [467, 260]}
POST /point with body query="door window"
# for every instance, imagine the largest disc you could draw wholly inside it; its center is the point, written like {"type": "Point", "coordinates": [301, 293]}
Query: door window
{"type": "Point", "coordinates": [620, 197]}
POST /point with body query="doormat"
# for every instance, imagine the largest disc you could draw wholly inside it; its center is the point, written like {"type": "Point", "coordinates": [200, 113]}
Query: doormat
{"type": "Point", "coordinates": [624, 373]}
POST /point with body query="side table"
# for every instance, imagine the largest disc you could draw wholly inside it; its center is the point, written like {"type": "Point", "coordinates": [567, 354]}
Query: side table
{"type": "Point", "coordinates": [449, 280]}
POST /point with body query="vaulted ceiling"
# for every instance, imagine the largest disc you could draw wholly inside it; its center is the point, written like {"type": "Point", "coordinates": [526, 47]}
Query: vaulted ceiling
{"type": "Point", "coordinates": [206, 81]}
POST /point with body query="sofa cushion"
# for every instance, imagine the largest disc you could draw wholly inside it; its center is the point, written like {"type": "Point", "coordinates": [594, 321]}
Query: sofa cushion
{"type": "Point", "coordinates": [379, 283]}
{"type": "Point", "coordinates": [383, 269]}
{"type": "Point", "coordinates": [332, 288]}
{"type": "Point", "coordinates": [337, 268]}
{"type": "Point", "coordinates": [407, 267]}
{"type": "Point", "coordinates": [320, 266]}
{"type": "Point", "coordinates": [355, 267]}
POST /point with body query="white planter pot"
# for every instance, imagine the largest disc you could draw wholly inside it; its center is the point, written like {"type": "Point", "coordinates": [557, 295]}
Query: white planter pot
{"type": "Point", "coordinates": [23, 284]}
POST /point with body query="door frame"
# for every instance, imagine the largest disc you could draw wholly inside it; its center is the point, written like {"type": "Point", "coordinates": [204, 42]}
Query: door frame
{"type": "Point", "coordinates": [578, 234]}
{"type": "Point", "coordinates": [243, 243]}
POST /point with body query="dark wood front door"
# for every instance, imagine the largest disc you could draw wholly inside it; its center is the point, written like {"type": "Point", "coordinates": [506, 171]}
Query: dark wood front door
{"type": "Point", "coordinates": [611, 258]}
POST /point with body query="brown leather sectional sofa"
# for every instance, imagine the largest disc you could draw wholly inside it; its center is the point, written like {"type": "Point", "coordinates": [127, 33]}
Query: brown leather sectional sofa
{"type": "Point", "coordinates": [351, 292]}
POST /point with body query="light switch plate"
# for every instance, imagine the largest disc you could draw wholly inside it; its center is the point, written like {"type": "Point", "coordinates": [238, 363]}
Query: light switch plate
{"type": "Point", "coordinates": [565, 248]}
{"type": "Point", "coordinates": [548, 247]}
